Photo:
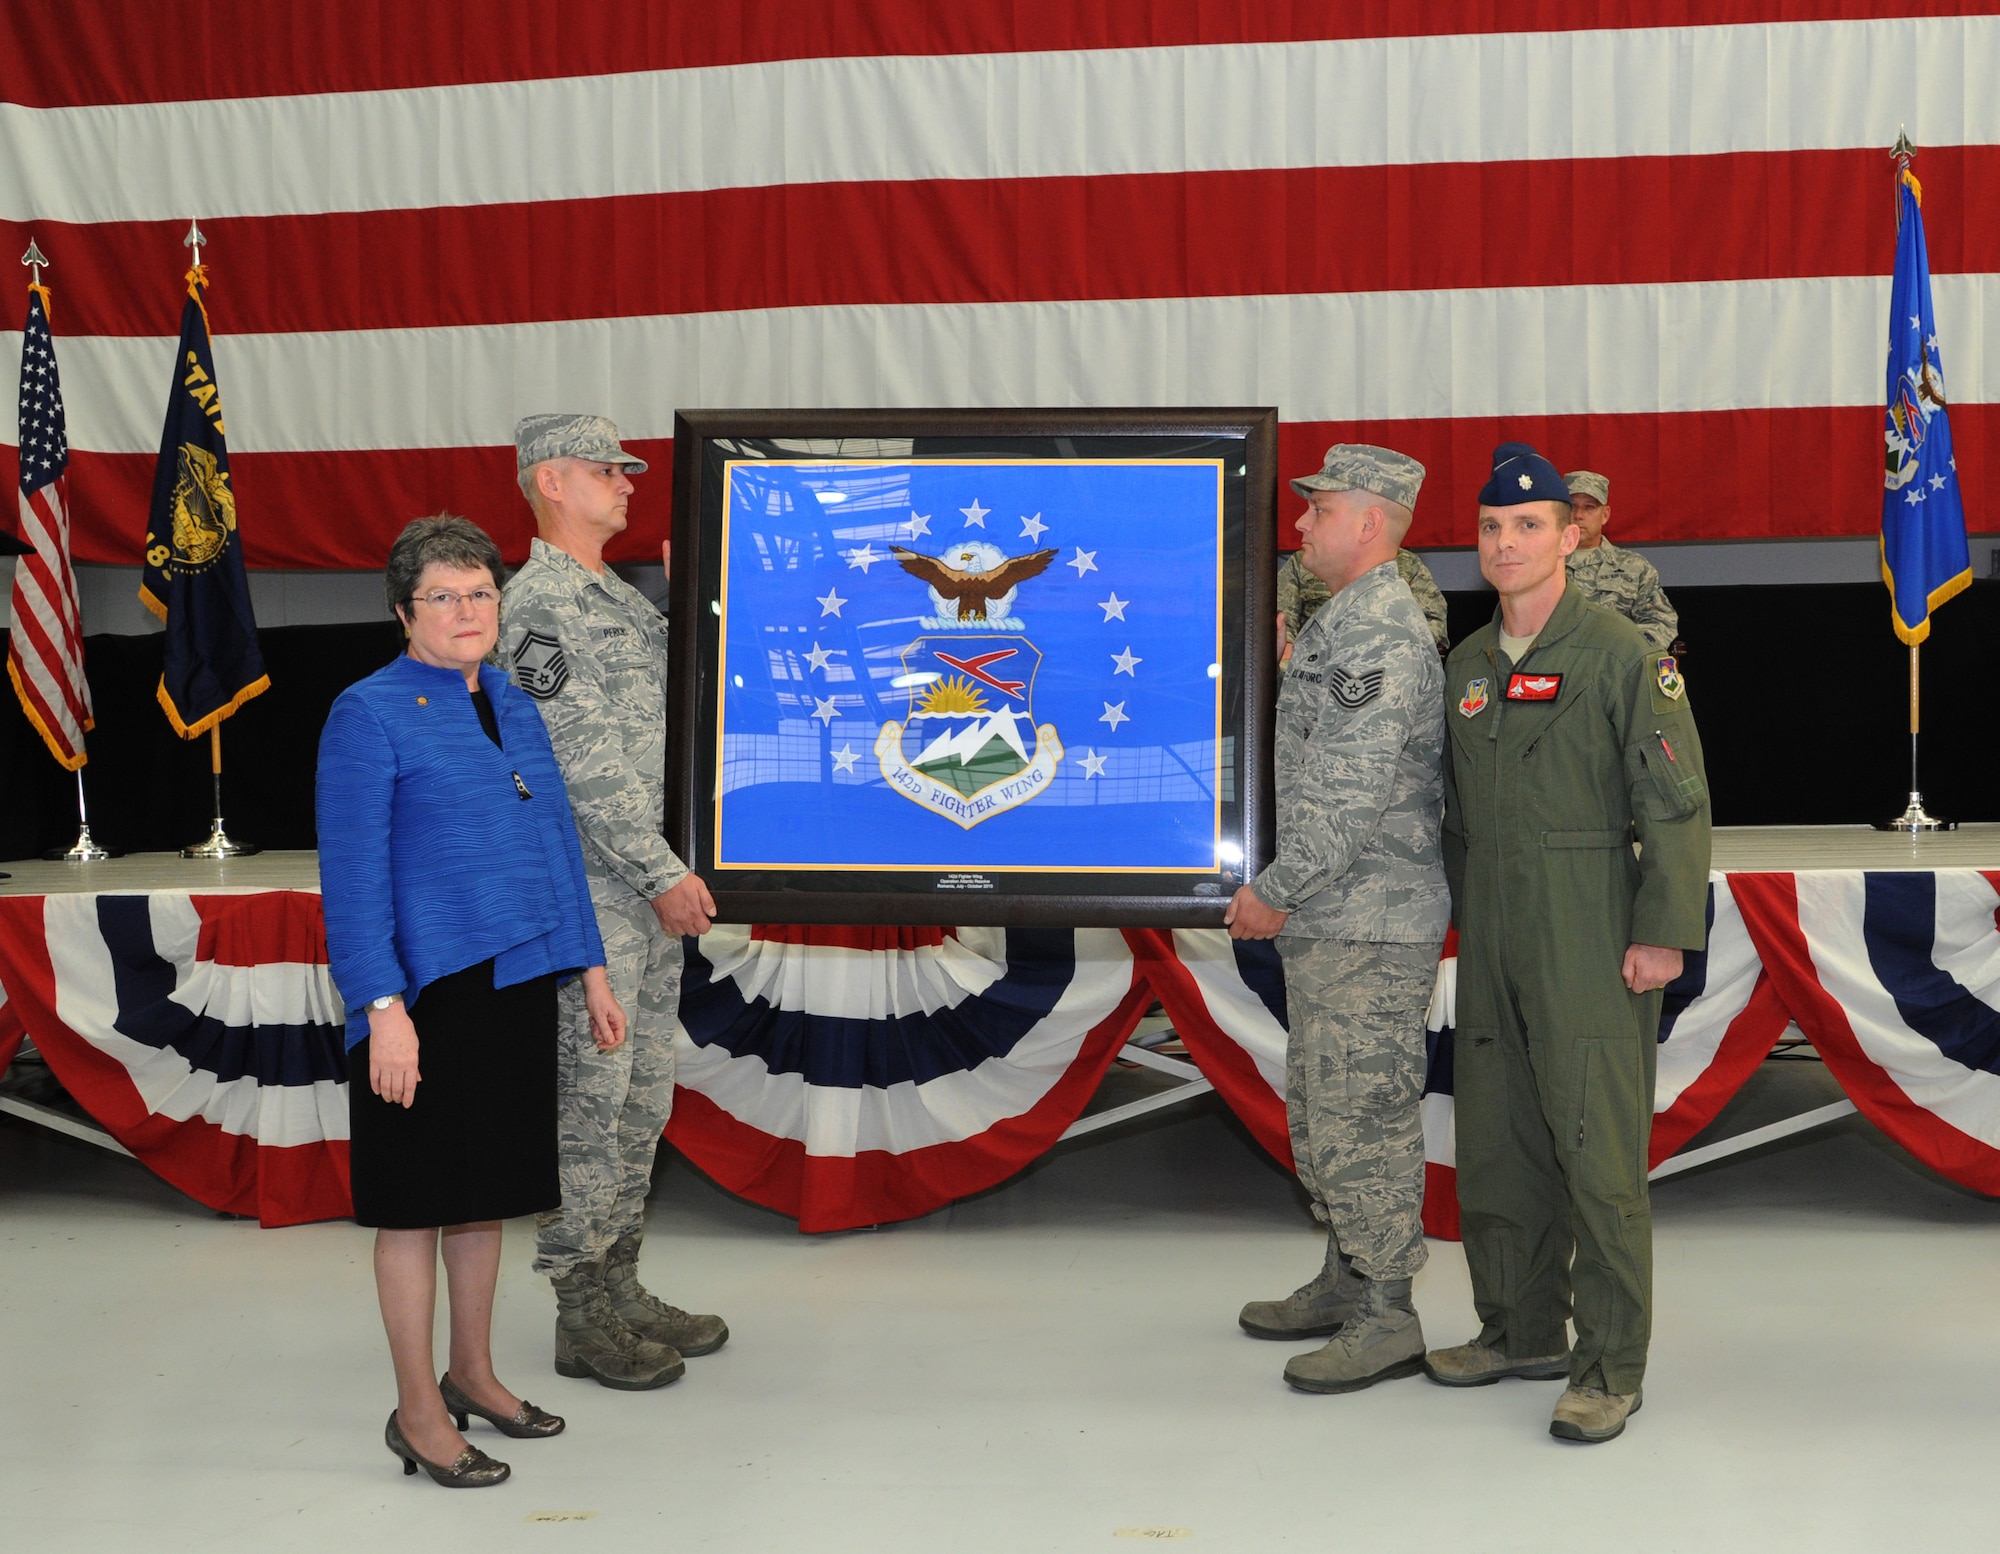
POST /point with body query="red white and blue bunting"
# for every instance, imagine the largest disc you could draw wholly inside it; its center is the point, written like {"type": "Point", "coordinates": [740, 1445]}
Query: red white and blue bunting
{"type": "Point", "coordinates": [856, 1076]}
{"type": "Point", "coordinates": [202, 1032]}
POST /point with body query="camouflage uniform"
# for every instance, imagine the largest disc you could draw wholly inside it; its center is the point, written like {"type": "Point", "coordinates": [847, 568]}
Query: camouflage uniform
{"type": "Point", "coordinates": [592, 651]}
{"type": "Point", "coordinates": [1625, 581]}
{"type": "Point", "coordinates": [1359, 744]}
{"type": "Point", "coordinates": [1300, 595]}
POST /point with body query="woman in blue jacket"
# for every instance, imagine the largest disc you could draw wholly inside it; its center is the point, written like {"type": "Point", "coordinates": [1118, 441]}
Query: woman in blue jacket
{"type": "Point", "coordinates": [455, 901]}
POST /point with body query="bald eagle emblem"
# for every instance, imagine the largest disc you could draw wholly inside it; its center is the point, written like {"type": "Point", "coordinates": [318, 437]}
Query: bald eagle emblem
{"type": "Point", "coordinates": [973, 584]}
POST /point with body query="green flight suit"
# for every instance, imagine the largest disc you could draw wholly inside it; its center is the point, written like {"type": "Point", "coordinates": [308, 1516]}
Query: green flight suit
{"type": "Point", "coordinates": [1545, 793]}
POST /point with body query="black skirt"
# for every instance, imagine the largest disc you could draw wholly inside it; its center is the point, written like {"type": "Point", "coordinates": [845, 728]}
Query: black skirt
{"type": "Point", "coordinates": [480, 1141]}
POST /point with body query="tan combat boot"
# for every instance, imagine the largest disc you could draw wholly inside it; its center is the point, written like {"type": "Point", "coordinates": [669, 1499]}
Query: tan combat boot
{"type": "Point", "coordinates": [1477, 1365]}
{"type": "Point", "coordinates": [1590, 1414]}
{"type": "Point", "coordinates": [648, 1315]}
{"type": "Point", "coordinates": [592, 1342]}
{"type": "Point", "coordinates": [1384, 1340]}
{"type": "Point", "coordinates": [1313, 1310]}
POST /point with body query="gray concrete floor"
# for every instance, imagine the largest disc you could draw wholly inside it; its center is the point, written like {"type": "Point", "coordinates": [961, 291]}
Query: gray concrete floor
{"type": "Point", "coordinates": [1051, 1366]}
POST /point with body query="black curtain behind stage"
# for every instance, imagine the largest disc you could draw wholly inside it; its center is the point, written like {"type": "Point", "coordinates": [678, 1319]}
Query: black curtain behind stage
{"type": "Point", "coordinates": [148, 788]}
{"type": "Point", "coordinates": [1801, 692]}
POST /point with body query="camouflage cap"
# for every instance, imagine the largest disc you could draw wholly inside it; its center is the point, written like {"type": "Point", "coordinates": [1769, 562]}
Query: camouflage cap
{"type": "Point", "coordinates": [1360, 466]}
{"type": "Point", "coordinates": [594, 437]}
{"type": "Point", "coordinates": [1587, 482]}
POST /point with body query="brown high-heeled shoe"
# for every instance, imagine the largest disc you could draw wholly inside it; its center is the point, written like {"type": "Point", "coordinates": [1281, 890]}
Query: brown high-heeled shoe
{"type": "Point", "coordinates": [528, 1424]}
{"type": "Point", "coordinates": [470, 1469]}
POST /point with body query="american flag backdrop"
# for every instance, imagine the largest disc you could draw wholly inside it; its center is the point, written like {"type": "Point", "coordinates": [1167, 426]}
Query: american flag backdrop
{"type": "Point", "coordinates": [1650, 237]}
{"type": "Point", "coordinates": [44, 622]}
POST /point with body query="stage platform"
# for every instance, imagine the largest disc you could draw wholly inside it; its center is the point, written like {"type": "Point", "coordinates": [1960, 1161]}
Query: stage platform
{"type": "Point", "coordinates": [1738, 849]}
{"type": "Point", "coordinates": [857, 1076]}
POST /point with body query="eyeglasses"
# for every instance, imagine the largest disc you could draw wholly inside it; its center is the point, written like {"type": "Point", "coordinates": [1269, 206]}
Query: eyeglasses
{"type": "Point", "coordinates": [445, 599]}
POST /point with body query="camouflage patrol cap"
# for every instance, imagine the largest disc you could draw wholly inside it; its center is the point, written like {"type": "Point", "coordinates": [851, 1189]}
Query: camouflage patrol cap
{"type": "Point", "coordinates": [1587, 482]}
{"type": "Point", "coordinates": [1360, 466]}
{"type": "Point", "coordinates": [594, 437]}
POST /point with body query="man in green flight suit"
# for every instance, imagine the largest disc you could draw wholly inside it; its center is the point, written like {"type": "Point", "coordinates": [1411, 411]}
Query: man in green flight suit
{"type": "Point", "coordinates": [1570, 739]}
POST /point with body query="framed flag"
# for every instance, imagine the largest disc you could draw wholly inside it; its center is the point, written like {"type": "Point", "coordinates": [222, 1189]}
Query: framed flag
{"type": "Point", "coordinates": [937, 667]}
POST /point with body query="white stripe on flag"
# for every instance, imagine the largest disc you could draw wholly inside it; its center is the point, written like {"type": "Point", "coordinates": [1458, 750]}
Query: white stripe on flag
{"type": "Point", "coordinates": [1349, 102]}
{"type": "Point", "coordinates": [1571, 350]}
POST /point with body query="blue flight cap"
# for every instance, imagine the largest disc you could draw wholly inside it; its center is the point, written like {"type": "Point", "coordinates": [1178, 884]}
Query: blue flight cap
{"type": "Point", "coordinates": [1522, 475]}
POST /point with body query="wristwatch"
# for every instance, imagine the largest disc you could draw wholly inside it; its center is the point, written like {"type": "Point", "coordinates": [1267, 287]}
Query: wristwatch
{"type": "Point", "coordinates": [385, 1000]}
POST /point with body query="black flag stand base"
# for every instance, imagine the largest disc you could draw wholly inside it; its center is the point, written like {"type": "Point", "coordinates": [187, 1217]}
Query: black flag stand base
{"type": "Point", "coordinates": [1915, 820]}
{"type": "Point", "coordinates": [218, 844]}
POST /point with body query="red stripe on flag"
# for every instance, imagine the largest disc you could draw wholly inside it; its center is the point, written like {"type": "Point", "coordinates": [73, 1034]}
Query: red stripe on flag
{"type": "Point", "coordinates": [1781, 474]}
{"type": "Point", "coordinates": [1240, 233]}
{"type": "Point", "coordinates": [1785, 474]}
{"type": "Point", "coordinates": [117, 51]}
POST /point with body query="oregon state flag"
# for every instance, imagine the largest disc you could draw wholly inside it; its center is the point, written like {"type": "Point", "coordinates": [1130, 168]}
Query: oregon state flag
{"type": "Point", "coordinates": [193, 577]}
{"type": "Point", "coordinates": [1924, 556]}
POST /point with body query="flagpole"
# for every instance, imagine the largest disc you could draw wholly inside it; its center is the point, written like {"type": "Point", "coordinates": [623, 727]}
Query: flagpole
{"type": "Point", "coordinates": [1915, 820]}
{"type": "Point", "coordinates": [85, 849]}
{"type": "Point", "coordinates": [218, 844]}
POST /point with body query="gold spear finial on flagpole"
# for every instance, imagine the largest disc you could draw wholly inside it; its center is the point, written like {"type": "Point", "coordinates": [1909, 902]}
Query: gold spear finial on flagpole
{"type": "Point", "coordinates": [35, 262]}
{"type": "Point", "coordinates": [1902, 150]}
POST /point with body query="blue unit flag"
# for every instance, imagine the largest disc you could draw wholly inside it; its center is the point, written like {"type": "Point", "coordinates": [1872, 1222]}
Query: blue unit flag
{"type": "Point", "coordinates": [193, 577]}
{"type": "Point", "coordinates": [960, 664]}
{"type": "Point", "coordinates": [1924, 556]}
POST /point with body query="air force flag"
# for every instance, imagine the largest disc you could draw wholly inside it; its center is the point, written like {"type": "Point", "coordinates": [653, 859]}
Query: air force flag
{"type": "Point", "coordinates": [1924, 555]}
{"type": "Point", "coordinates": [958, 663]}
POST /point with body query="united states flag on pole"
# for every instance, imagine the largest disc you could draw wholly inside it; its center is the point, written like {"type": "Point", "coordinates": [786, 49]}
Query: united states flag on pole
{"type": "Point", "coordinates": [1644, 236]}
{"type": "Point", "coordinates": [45, 627]}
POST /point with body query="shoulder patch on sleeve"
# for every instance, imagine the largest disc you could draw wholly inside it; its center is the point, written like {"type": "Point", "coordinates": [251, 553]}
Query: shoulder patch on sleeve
{"type": "Point", "coordinates": [1667, 677]}
{"type": "Point", "coordinates": [540, 668]}
{"type": "Point", "coordinates": [1353, 690]}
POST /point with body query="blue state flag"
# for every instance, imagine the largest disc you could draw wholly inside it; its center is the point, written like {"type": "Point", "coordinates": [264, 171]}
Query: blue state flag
{"type": "Point", "coordinates": [963, 663]}
{"type": "Point", "coordinates": [1924, 556]}
{"type": "Point", "coordinates": [193, 577]}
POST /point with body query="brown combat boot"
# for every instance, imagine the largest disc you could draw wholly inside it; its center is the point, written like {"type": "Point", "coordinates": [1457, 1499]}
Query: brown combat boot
{"type": "Point", "coordinates": [592, 1342]}
{"type": "Point", "coordinates": [1384, 1340]}
{"type": "Point", "coordinates": [648, 1315]}
{"type": "Point", "coordinates": [1590, 1414]}
{"type": "Point", "coordinates": [1313, 1310]}
{"type": "Point", "coordinates": [1476, 1365]}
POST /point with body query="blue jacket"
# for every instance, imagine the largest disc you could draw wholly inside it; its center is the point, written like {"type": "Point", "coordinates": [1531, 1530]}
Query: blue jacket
{"type": "Point", "coordinates": [430, 858]}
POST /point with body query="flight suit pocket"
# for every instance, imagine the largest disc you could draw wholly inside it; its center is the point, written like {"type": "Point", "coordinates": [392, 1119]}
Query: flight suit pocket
{"type": "Point", "coordinates": [1587, 839]}
{"type": "Point", "coordinates": [1662, 789]}
{"type": "Point", "coordinates": [1578, 1130]}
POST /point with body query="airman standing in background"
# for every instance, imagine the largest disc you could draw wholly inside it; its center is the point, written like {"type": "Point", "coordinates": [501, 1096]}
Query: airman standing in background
{"type": "Point", "coordinates": [1621, 580]}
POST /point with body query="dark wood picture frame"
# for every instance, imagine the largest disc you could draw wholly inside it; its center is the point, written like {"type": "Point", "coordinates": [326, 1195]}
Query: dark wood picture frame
{"type": "Point", "coordinates": [912, 897]}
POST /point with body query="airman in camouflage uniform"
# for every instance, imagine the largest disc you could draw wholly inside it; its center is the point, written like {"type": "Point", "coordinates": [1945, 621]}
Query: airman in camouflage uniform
{"type": "Point", "coordinates": [1357, 901]}
{"type": "Point", "coordinates": [1300, 595]}
{"type": "Point", "coordinates": [1621, 580]}
{"type": "Point", "coordinates": [592, 651]}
